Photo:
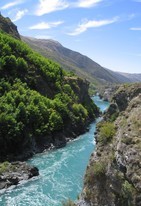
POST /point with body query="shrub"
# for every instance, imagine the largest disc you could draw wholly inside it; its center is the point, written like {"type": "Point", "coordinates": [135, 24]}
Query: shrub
{"type": "Point", "coordinates": [127, 189]}
{"type": "Point", "coordinates": [95, 171]}
{"type": "Point", "coordinates": [55, 121]}
{"type": "Point", "coordinates": [127, 192]}
{"type": "Point", "coordinates": [114, 116]}
{"type": "Point", "coordinates": [99, 169]}
{"type": "Point", "coordinates": [4, 166]}
{"type": "Point", "coordinates": [107, 131]}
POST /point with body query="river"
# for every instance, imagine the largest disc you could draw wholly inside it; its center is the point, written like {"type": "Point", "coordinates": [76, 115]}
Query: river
{"type": "Point", "coordinates": [61, 173]}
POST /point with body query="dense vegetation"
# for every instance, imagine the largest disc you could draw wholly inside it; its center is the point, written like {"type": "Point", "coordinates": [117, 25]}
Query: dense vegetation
{"type": "Point", "coordinates": [37, 98]}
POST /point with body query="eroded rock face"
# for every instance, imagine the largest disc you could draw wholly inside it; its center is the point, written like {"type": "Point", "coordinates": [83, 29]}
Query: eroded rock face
{"type": "Point", "coordinates": [125, 94]}
{"type": "Point", "coordinates": [14, 173]}
{"type": "Point", "coordinates": [7, 26]}
{"type": "Point", "coordinates": [113, 176]}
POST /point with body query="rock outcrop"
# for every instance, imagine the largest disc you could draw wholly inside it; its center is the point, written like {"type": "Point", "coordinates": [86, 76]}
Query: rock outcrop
{"type": "Point", "coordinates": [9, 27]}
{"type": "Point", "coordinates": [113, 176]}
{"type": "Point", "coordinates": [16, 172]}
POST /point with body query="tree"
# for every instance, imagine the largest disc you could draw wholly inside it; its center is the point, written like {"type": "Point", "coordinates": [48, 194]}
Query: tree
{"type": "Point", "coordinates": [10, 64]}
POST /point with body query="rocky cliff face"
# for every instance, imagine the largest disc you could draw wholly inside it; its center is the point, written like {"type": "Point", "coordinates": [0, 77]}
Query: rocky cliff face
{"type": "Point", "coordinates": [113, 176]}
{"type": "Point", "coordinates": [7, 26]}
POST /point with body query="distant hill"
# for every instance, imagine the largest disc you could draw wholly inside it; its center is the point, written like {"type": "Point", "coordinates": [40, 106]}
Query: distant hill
{"type": "Point", "coordinates": [132, 77]}
{"type": "Point", "coordinates": [76, 62]}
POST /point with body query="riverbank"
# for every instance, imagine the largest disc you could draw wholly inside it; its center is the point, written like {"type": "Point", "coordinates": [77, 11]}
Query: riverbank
{"type": "Point", "coordinates": [61, 172]}
{"type": "Point", "coordinates": [16, 172]}
{"type": "Point", "coordinates": [113, 175]}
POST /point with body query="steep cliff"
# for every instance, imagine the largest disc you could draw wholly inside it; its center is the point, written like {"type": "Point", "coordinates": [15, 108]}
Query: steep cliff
{"type": "Point", "coordinates": [113, 176]}
{"type": "Point", "coordinates": [9, 27]}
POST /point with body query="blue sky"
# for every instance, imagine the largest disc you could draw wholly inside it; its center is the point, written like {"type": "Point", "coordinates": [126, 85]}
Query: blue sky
{"type": "Point", "coordinates": [107, 31]}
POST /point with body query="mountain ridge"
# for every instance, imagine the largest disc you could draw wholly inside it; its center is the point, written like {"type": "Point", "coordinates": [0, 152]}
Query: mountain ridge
{"type": "Point", "coordinates": [77, 62]}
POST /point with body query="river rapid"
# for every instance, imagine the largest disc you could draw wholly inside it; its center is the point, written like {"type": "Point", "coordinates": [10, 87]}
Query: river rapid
{"type": "Point", "coordinates": [61, 172]}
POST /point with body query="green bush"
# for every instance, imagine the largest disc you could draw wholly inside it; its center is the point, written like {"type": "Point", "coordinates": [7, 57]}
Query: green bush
{"type": "Point", "coordinates": [55, 121]}
{"type": "Point", "coordinates": [107, 131]}
{"type": "Point", "coordinates": [4, 166]}
{"type": "Point", "coordinates": [127, 190]}
{"type": "Point", "coordinates": [80, 112]}
{"type": "Point", "coordinates": [95, 171]}
{"type": "Point", "coordinates": [127, 194]}
{"type": "Point", "coordinates": [114, 116]}
{"type": "Point", "coordinates": [99, 169]}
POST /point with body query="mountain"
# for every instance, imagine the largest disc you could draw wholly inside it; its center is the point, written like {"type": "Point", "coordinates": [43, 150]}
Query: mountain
{"type": "Point", "coordinates": [40, 103]}
{"type": "Point", "coordinates": [132, 77]}
{"type": "Point", "coordinates": [76, 62]}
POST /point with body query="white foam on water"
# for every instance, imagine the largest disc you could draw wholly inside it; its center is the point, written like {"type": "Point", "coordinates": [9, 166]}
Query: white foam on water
{"type": "Point", "coordinates": [61, 174]}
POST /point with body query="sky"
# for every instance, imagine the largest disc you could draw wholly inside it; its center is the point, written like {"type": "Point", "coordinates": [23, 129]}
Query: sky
{"type": "Point", "coordinates": [107, 31]}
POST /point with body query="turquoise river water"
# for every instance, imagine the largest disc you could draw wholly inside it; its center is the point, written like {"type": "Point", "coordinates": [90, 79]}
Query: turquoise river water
{"type": "Point", "coordinates": [61, 173]}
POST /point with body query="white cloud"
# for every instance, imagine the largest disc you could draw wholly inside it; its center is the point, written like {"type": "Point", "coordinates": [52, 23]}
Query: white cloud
{"type": "Point", "coordinates": [11, 4]}
{"type": "Point", "coordinates": [91, 24]}
{"type": "Point", "coordinates": [20, 14]}
{"type": "Point", "coordinates": [136, 28]}
{"type": "Point", "coordinates": [46, 25]}
{"type": "Point", "coordinates": [48, 6]}
{"type": "Point", "coordinates": [131, 16]}
{"type": "Point", "coordinates": [87, 3]}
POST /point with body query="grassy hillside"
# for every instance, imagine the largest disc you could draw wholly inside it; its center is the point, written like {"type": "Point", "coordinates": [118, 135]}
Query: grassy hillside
{"type": "Point", "coordinates": [76, 62]}
{"type": "Point", "coordinates": [39, 102]}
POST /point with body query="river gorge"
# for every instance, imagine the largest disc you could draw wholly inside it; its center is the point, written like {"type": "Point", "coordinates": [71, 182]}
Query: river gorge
{"type": "Point", "coordinates": [61, 172]}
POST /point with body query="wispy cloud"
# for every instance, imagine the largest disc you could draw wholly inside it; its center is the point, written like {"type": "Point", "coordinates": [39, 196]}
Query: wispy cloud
{"type": "Point", "coordinates": [84, 26]}
{"type": "Point", "coordinates": [131, 16]}
{"type": "Point", "coordinates": [46, 25]}
{"type": "Point", "coordinates": [11, 4]}
{"type": "Point", "coordinates": [20, 14]}
{"type": "Point", "coordinates": [136, 28]}
{"type": "Point", "coordinates": [46, 6]}
{"type": "Point", "coordinates": [87, 3]}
